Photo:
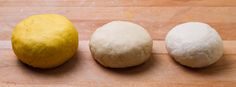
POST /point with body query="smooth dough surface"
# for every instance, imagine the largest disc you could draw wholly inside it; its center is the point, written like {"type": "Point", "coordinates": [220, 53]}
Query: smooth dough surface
{"type": "Point", "coordinates": [44, 40]}
{"type": "Point", "coordinates": [120, 44]}
{"type": "Point", "coordinates": [194, 44]}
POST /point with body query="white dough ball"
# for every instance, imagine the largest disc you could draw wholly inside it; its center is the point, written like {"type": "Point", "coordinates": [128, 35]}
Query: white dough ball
{"type": "Point", "coordinates": [194, 44]}
{"type": "Point", "coordinates": [120, 44]}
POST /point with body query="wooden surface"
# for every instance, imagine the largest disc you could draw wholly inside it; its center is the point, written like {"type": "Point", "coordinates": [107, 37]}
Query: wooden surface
{"type": "Point", "coordinates": [157, 16]}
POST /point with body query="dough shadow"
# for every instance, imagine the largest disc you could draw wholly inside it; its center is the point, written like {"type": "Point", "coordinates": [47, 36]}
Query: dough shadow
{"type": "Point", "coordinates": [66, 67]}
{"type": "Point", "coordinates": [217, 68]}
{"type": "Point", "coordinates": [134, 69]}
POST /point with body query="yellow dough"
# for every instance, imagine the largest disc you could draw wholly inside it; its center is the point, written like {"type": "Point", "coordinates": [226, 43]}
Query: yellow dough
{"type": "Point", "coordinates": [45, 40]}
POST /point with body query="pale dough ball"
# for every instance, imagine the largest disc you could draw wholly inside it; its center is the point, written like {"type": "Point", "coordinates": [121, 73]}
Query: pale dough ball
{"type": "Point", "coordinates": [120, 44]}
{"type": "Point", "coordinates": [194, 44]}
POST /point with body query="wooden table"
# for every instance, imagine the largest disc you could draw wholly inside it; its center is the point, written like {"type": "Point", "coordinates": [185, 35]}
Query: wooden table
{"type": "Point", "coordinates": [157, 16]}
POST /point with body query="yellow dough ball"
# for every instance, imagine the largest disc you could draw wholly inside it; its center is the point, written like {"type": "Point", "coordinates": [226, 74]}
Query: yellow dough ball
{"type": "Point", "coordinates": [45, 40]}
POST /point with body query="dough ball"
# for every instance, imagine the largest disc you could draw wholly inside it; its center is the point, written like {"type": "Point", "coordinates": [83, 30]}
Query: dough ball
{"type": "Point", "coordinates": [120, 44]}
{"type": "Point", "coordinates": [44, 41]}
{"type": "Point", "coordinates": [194, 44]}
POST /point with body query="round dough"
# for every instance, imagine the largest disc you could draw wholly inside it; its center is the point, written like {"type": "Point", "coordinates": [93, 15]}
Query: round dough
{"type": "Point", "coordinates": [194, 44]}
{"type": "Point", "coordinates": [44, 41]}
{"type": "Point", "coordinates": [120, 44]}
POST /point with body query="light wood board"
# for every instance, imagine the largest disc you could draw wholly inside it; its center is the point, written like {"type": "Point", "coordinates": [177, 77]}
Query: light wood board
{"type": "Point", "coordinates": [157, 16]}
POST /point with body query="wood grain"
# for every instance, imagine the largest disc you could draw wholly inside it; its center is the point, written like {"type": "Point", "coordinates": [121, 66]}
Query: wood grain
{"type": "Point", "coordinates": [115, 3]}
{"type": "Point", "coordinates": [160, 70]}
{"type": "Point", "coordinates": [157, 16]}
{"type": "Point", "coordinates": [157, 20]}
